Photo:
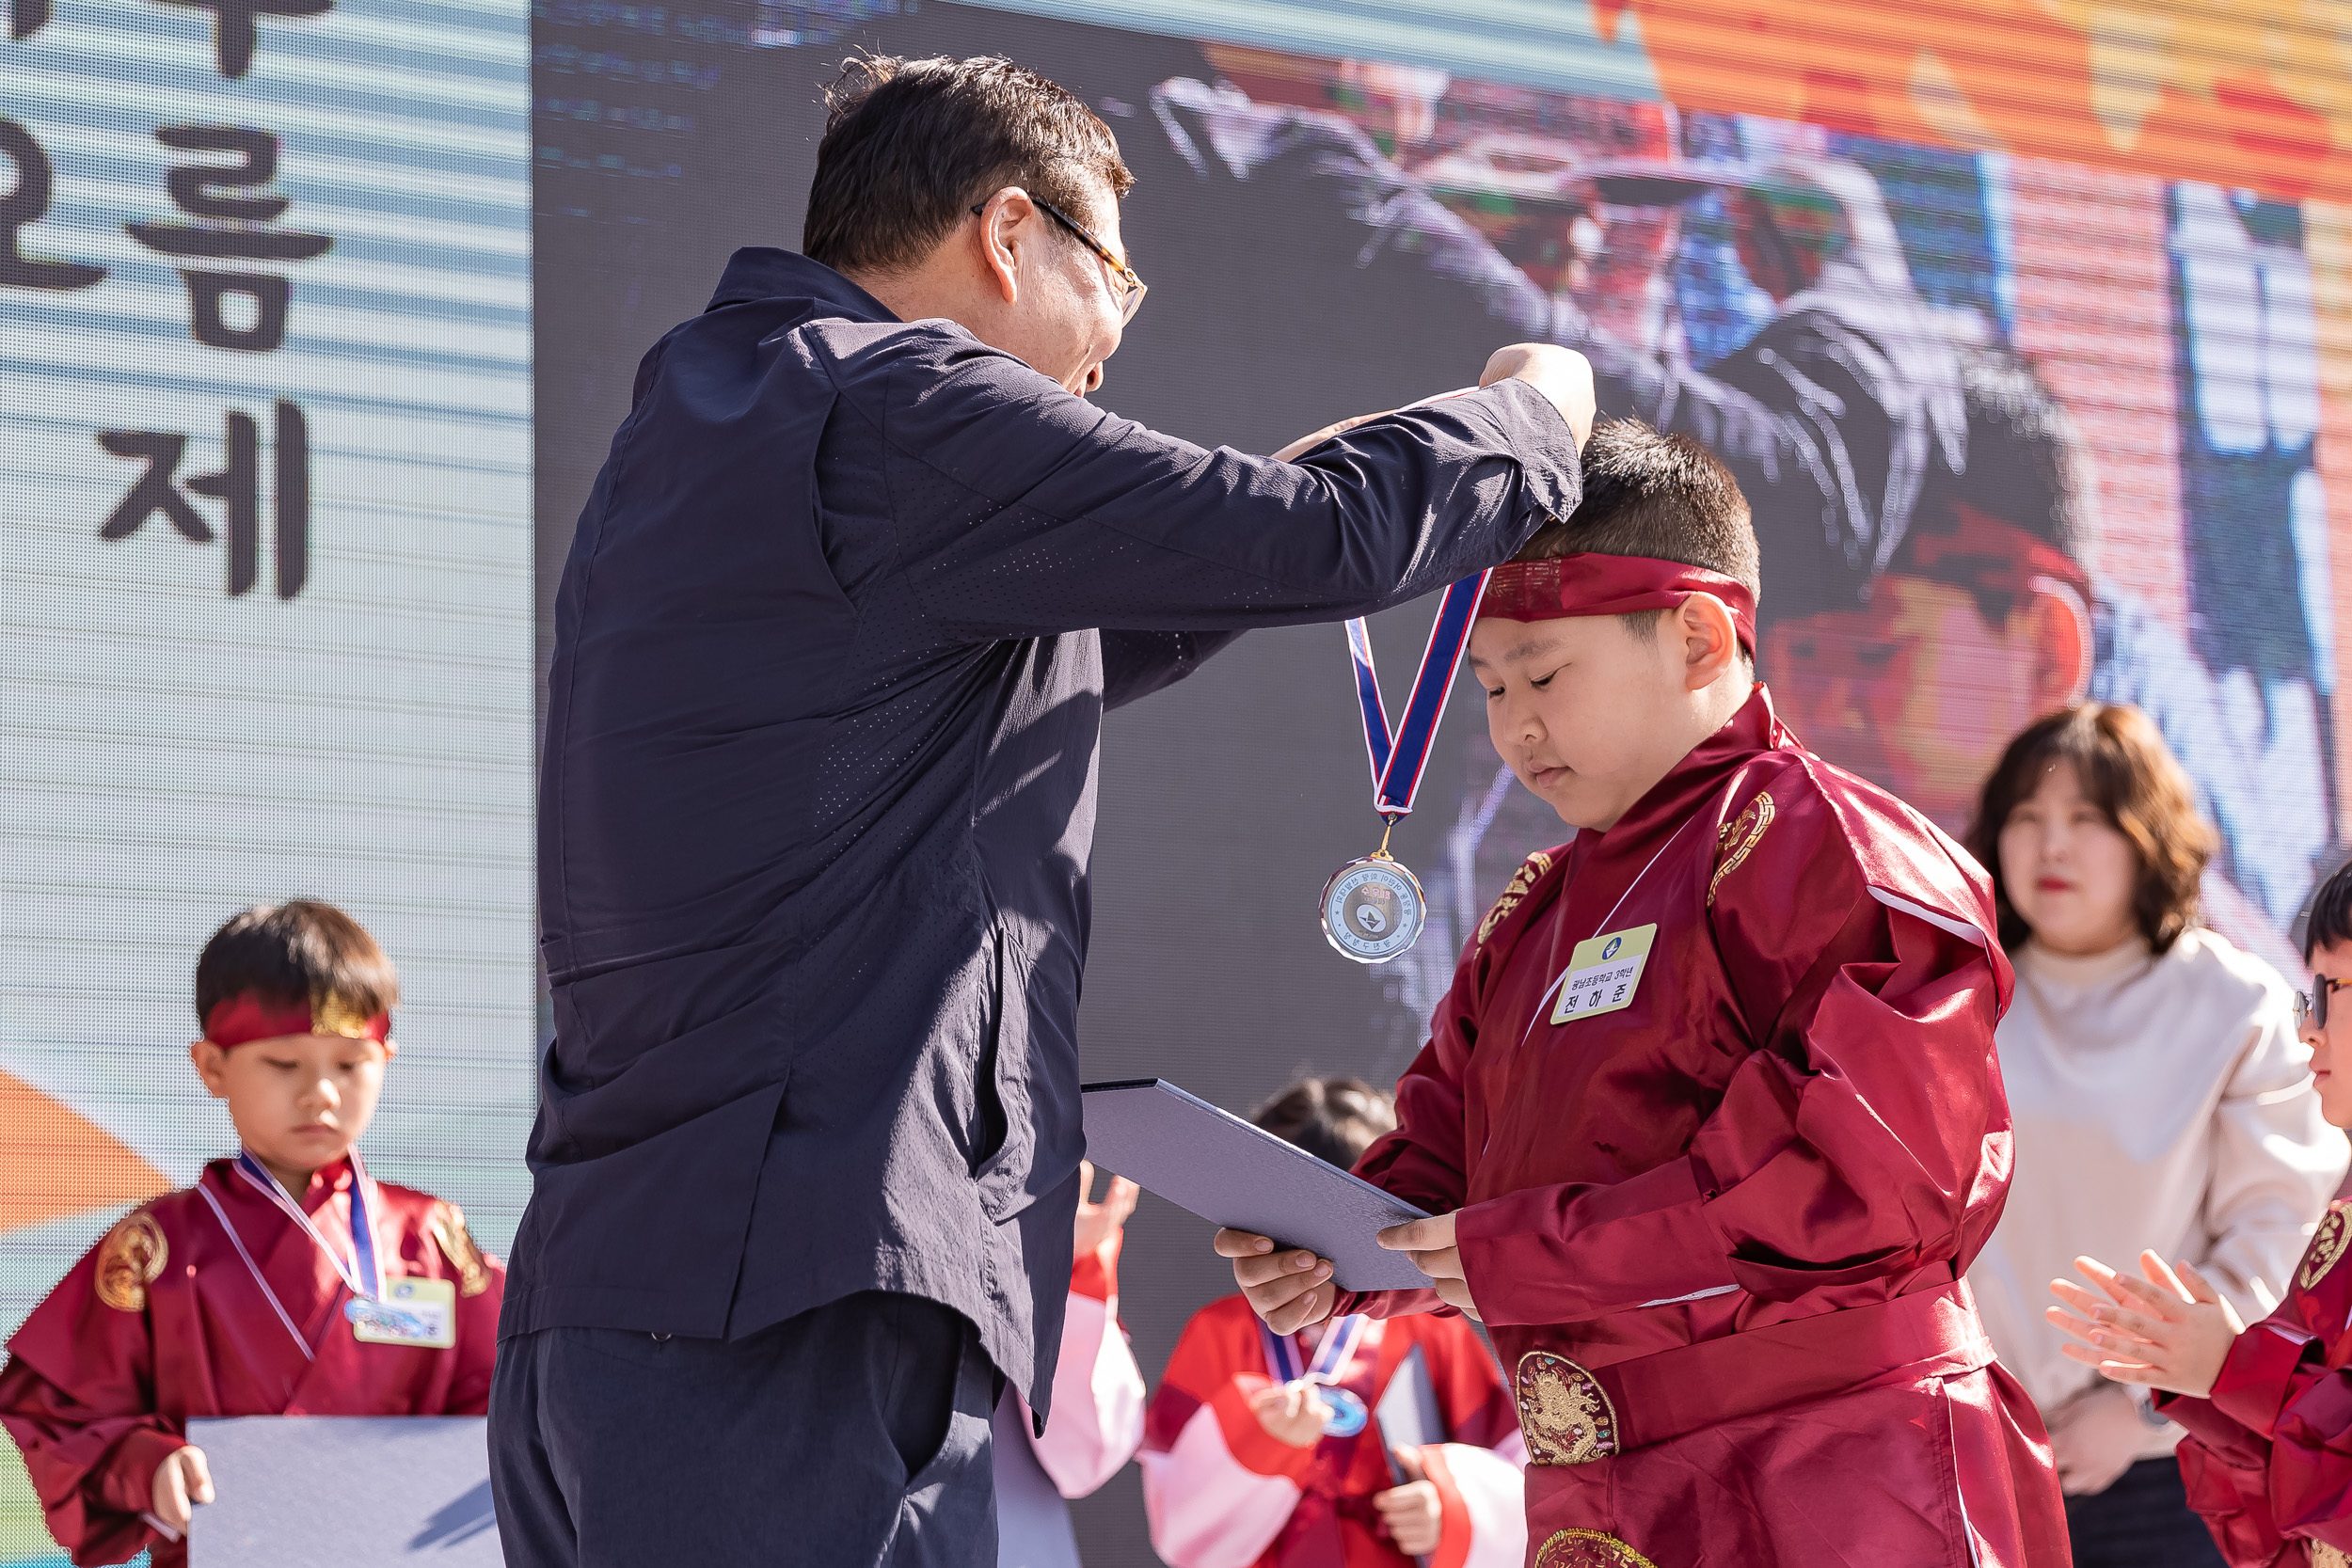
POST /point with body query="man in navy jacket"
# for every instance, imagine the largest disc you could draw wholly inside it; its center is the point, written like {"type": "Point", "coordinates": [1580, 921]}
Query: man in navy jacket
{"type": "Point", "coordinates": [858, 580]}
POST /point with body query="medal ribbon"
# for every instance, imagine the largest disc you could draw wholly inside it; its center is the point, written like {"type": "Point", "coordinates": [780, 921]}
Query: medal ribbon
{"type": "Point", "coordinates": [1399, 756]}
{"type": "Point", "coordinates": [362, 1273]}
{"type": "Point", "coordinates": [1339, 1343]}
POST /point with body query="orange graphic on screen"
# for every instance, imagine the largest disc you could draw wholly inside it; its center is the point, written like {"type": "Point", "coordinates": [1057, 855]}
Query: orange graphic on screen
{"type": "Point", "coordinates": [60, 1163]}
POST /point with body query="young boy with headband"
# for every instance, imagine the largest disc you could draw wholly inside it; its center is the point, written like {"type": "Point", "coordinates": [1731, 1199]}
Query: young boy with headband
{"type": "Point", "coordinates": [286, 1282]}
{"type": "Point", "coordinates": [1710, 1120]}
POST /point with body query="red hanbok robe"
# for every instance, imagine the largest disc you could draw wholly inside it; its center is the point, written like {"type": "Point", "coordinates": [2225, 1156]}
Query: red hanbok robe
{"type": "Point", "coordinates": [162, 1320]}
{"type": "Point", "coordinates": [2269, 1457]}
{"type": "Point", "coordinates": [1222, 1492]}
{"type": "Point", "coordinates": [1716, 1217]}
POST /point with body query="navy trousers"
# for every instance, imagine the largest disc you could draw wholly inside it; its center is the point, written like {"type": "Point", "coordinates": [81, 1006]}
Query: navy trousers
{"type": "Point", "coordinates": [2143, 1521]}
{"type": "Point", "coordinates": [855, 1434]}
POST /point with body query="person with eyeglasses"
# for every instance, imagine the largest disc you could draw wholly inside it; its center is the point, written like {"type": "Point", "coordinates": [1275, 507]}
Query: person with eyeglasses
{"type": "Point", "coordinates": [2268, 1409]}
{"type": "Point", "coordinates": [859, 578]}
{"type": "Point", "coordinates": [2160, 1096]}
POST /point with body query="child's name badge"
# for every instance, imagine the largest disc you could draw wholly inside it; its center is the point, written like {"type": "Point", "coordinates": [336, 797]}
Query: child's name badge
{"type": "Point", "coordinates": [420, 1312]}
{"type": "Point", "coordinates": [1603, 972]}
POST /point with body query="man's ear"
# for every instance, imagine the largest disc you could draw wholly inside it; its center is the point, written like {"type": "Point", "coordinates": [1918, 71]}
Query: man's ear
{"type": "Point", "coordinates": [1008, 222]}
{"type": "Point", "coordinates": [1710, 640]}
{"type": "Point", "coordinates": [2059, 625]}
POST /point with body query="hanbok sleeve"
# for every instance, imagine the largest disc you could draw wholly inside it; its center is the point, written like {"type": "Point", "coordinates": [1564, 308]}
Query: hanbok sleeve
{"type": "Point", "coordinates": [78, 1398]}
{"type": "Point", "coordinates": [1098, 1390]}
{"type": "Point", "coordinates": [1217, 1487]}
{"type": "Point", "coordinates": [1864, 1126]}
{"type": "Point", "coordinates": [1479, 1472]}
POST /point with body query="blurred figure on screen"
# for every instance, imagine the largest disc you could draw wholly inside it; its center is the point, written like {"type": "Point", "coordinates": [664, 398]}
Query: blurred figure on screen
{"type": "Point", "coordinates": [1356, 1442]}
{"type": "Point", "coordinates": [286, 1282]}
{"type": "Point", "coordinates": [2161, 1098]}
{"type": "Point", "coordinates": [1098, 1398]}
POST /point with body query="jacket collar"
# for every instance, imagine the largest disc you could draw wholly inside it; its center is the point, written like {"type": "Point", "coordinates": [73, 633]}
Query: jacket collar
{"type": "Point", "coordinates": [764, 272]}
{"type": "Point", "coordinates": [1752, 729]}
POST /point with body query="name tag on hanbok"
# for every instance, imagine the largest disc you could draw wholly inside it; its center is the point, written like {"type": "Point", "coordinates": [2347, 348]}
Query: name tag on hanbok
{"type": "Point", "coordinates": [1603, 973]}
{"type": "Point", "coordinates": [420, 1312]}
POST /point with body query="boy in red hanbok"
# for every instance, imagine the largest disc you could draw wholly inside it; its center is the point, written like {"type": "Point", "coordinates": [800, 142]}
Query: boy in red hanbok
{"type": "Point", "coordinates": [1353, 1443]}
{"type": "Point", "coordinates": [1710, 1120]}
{"type": "Point", "coordinates": [2268, 1456]}
{"type": "Point", "coordinates": [286, 1282]}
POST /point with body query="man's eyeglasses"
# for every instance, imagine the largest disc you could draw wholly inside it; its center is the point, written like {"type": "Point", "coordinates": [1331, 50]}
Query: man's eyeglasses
{"type": "Point", "coordinates": [2311, 1006]}
{"type": "Point", "coordinates": [1127, 290]}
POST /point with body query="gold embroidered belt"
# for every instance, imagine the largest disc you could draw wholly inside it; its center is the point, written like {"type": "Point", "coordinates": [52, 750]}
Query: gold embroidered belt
{"type": "Point", "coordinates": [1573, 1415]}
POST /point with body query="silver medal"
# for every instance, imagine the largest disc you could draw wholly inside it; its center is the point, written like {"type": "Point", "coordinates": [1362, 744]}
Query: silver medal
{"type": "Point", "coordinates": [1372, 909]}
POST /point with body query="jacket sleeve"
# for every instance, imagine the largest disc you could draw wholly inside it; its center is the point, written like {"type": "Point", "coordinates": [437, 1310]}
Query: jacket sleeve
{"type": "Point", "coordinates": [78, 1398]}
{"type": "Point", "coordinates": [1217, 1487]}
{"type": "Point", "coordinates": [1137, 663]}
{"type": "Point", "coordinates": [1098, 1390]}
{"type": "Point", "coordinates": [1021, 511]}
{"type": "Point", "coordinates": [2276, 1163]}
{"type": "Point", "coordinates": [1863, 1127]}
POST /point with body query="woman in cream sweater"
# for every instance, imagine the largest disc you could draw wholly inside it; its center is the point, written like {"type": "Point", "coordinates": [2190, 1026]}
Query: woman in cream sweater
{"type": "Point", "coordinates": [2160, 1098]}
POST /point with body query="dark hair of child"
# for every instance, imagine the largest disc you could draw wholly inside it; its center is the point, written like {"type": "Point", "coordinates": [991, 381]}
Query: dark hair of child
{"type": "Point", "coordinates": [2329, 922]}
{"type": "Point", "coordinates": [1331, 1118]}
{"type": "Point", "coordinates": [298, 951]}
{"type": "Point", "coordinates": [1663, 497]}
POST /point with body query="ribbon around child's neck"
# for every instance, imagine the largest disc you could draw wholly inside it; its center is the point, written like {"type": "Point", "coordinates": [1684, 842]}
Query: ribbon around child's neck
{"type": "Point", "coordinates": [1400, 755]}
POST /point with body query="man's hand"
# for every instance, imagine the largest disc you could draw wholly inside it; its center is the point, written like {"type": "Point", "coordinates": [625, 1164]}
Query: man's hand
{"type": "Point", "coordinates": [1292, 1413]}
{"type": "Point", "coordinates": [181, 1480]}
{"type": "Point", "coordinates": [2096, 1435]}
{"type": "Point", "coordinates": [2172, 1331]}
{"type": "Point", "coordinates": [1561, 374]}
{"type": "Point", "coordinates": [1099, 1222]}
{"type": "Point", "coordinates": [1434, 1252]}
{"type": "Point", "coordinates": [1287, 1289]}
{"type": "Point", "coordinates": [1413, 1512]}
{"type": "Point", "coordinates": [1308, 442]}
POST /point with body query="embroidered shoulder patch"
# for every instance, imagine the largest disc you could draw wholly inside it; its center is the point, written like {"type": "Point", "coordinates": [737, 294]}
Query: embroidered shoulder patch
{"type": "Point", "coordinates": [457, 1244]}
{"type": "Point", "coordinates": [1735, 838]}
{"type": "Point", "coordinates": [1521, 880]}
{"type": "Point", "coordinates": [129, 1258]}
{"type": "Point", "coordinates": [2324, 1556]}
{"type": "Point", "coordinates": [1564, 1415]}
{"type": "Point", "coordinates": [2328, 1243]}
{"type": "Point", "coordinates": [1588, 1548]}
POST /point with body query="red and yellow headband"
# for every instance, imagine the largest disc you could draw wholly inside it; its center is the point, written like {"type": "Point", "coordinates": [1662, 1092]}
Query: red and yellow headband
{"type": "Point", "coordinates": [1593, 584]}
{"type": "Point", "coordinates": [250, 1016]}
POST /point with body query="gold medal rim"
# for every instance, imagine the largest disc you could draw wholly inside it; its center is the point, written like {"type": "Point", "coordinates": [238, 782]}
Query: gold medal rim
{"type": "Point", "coordinates": [1421, 904]}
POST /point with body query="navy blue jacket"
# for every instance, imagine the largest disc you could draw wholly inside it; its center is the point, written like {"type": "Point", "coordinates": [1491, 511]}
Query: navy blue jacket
{"type": "Point", "coordinates": [816, 805]}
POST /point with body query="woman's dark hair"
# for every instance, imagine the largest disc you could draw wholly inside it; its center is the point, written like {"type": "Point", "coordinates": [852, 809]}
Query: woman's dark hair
{"type": "Point", "coordinates": [296, 952]}
{"type": "Point", "coordinates": [910, 146]}
{"type": "Point", "coordinates": [2127, 771]}
{"type": "Point", "coordinates": [1331, 1118]}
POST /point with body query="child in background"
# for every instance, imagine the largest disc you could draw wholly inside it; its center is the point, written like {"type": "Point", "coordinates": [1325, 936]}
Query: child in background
{"type": "Point", "coordinates": [1279, 1450]}
{"type": "Point", "coordinates": [2268, 1458]}
{"type": "Point", "coordinates": [286, 1282]}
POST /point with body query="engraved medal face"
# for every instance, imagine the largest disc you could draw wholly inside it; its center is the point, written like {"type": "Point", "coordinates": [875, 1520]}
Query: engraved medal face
{"type": "Point", "coordinates": [1372, 909]}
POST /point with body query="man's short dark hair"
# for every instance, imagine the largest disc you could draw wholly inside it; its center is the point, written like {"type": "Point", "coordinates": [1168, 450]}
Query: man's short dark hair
{"type": "Point", "coordinates": [1331, 1118]}
{"type": "Point", "coordinates": [1663, 497]}
{"type": "Point", "coordinates": [2329, 922]}
{"type": "Point", "coordinates": [292, 952]}
{"type": "Point", "coordinates": [910, 146]}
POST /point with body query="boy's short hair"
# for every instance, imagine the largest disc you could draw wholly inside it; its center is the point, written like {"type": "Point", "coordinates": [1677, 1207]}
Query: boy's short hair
{"type": "Point", "coordinates": [1663, 497]}
{"type": "Point", "coordinates": [2329, 921]}
{"type": "Point", "coordinates": [910, 145]}
{"type": "Point", "coordinates": [301, 951]}
{"type": "Point", "coordinates": [1333, 1118]}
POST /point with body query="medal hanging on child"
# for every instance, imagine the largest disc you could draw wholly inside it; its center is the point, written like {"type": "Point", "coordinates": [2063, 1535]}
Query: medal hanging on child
{"type": "Point", "coordinates": [1339, 1335]}
{"type": "Point", "coordinates": [414, 1312]}
{"type": "Point", "coordinates": [1372, 908]}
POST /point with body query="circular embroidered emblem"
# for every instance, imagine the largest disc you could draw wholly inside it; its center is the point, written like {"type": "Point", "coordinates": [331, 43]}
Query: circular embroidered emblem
{"type": "Point", "coordinates": [129, 1258]}
{"type": "Point", "coordinates": [2324, 1556]}
{"type": "Point", "coordinates": [1565, 1415]}
{"type": "Point", "coordinates": [2328, 1245]}
{"type": "Point", "coordinates": [1589, 1548]}
{"type": "Point", "coordinates": [457, 1245]}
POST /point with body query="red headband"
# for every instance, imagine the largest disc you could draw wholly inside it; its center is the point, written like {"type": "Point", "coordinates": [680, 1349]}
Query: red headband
{"type": "Point", "coordinates": [1590, 584]}
{"type": "Point", "coordinates": [248, 1015]}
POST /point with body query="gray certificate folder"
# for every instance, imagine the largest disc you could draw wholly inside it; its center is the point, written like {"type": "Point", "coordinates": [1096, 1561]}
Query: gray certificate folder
{"type": "Point", "coordinates": [1184, 1149]}
{"type": "Point", "coordinates": [356, 1491]}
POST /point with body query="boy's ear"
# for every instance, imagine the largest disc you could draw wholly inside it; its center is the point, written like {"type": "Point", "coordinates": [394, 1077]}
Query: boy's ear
{"type": "Point", "coordinates": [211, 1064]}
{"type": "Point", "coordinates": [1710, 638]}
{"type": "Point", "coordinates": [2059, 628]}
